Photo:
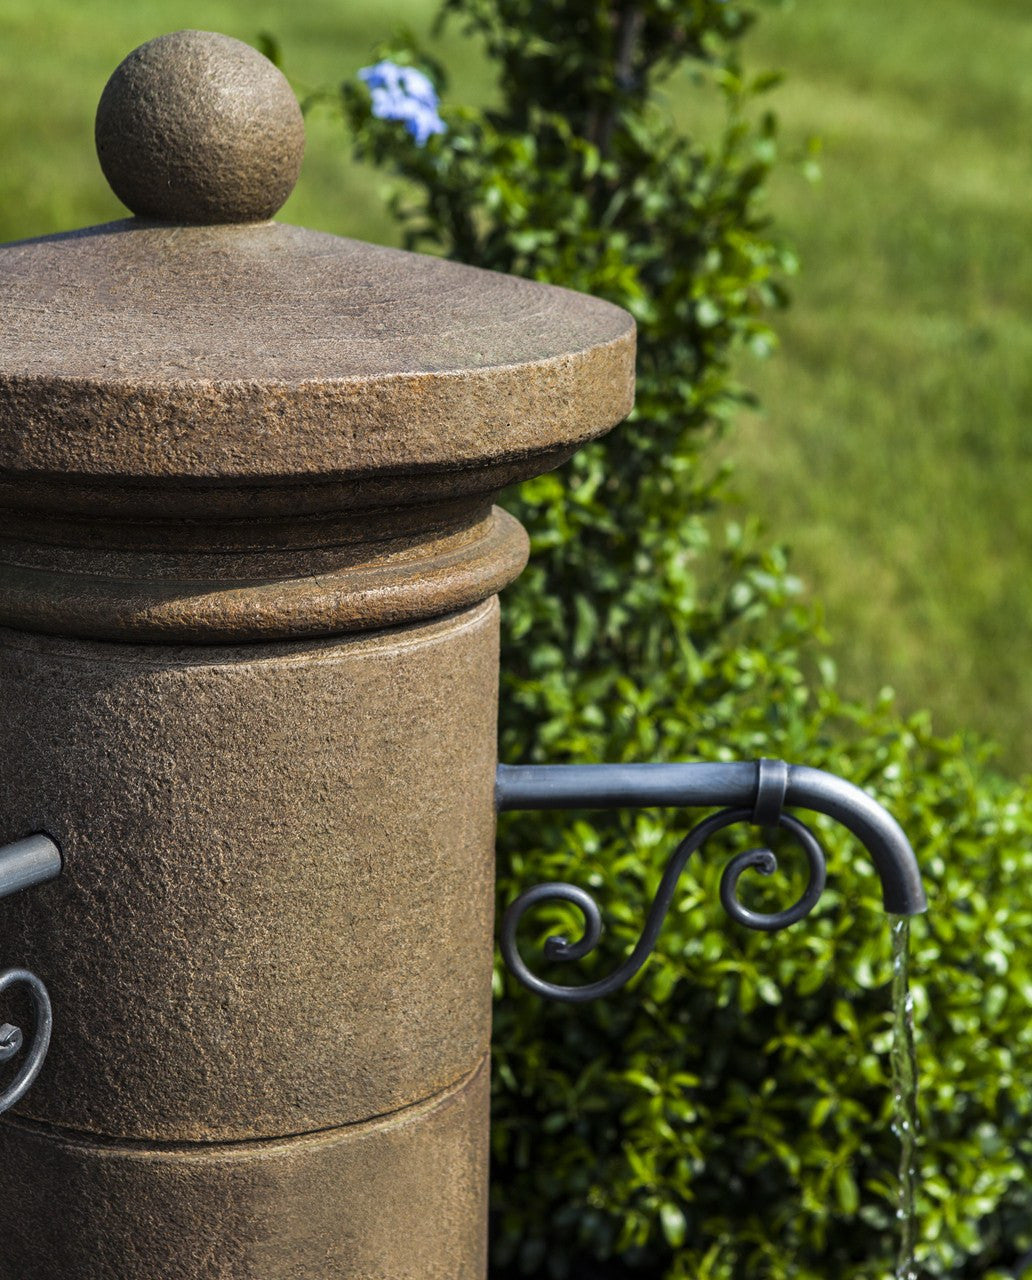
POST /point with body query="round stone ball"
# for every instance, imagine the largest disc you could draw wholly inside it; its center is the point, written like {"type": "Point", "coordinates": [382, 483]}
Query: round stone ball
{"type": "Point", "coordinates": [197, 127]}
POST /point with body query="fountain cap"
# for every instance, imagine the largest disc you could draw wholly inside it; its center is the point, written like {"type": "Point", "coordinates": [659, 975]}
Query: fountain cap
{"type": "Point", "coordinates": [196, 127]}
{"type": "Point", "coordinates": [202, 343]}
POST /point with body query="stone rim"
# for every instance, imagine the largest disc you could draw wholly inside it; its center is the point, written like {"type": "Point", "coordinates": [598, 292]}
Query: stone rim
{"type": "Point", "coordinates": [126, 354]}
{"type": "Point", "coordinates": [75, 598]}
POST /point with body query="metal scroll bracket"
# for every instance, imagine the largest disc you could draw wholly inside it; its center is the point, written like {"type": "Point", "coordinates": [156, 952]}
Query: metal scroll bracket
{"type": "Point", "coordinates": [756, 792]}
{"type": "Point", "coordinates": [25, 863]}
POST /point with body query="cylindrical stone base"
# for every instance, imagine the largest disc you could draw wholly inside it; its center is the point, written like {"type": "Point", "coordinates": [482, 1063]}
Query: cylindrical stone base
{"type": "Point", "coordinates": [275, 914]}
{"type": "Point", "coordinates": [400, 1198]}
{"type": "Point", "coordinates": [269, 954]}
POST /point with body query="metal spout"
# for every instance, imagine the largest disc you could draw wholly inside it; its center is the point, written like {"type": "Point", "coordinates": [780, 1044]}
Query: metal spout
{"type": "Point", "coordinates": [738, 785]}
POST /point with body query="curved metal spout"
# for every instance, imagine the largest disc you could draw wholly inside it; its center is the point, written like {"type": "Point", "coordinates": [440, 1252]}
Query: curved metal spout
{"type": "Point", "coordinates": [877, 830]}
{"type": "Point", "coordinates": [738, 785]}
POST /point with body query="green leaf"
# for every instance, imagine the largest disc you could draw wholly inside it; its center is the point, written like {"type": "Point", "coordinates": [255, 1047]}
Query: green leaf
{"type": "Point", "coordinates": [846, 1190]}
{"type": "Point", "coordinates": [674, 1224]}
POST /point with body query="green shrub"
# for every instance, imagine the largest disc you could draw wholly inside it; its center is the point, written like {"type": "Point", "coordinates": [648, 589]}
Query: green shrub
{"type": "Point", "coordinates": [729, 1115]}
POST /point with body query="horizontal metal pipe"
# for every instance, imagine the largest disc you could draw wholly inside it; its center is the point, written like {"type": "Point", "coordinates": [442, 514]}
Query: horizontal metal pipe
{"type": "Point", "coordinates": [704, 785]}
{"type": "Point", "coordinates": [624, 786]}
{"type": "Point", "coordinates": [28, 862]}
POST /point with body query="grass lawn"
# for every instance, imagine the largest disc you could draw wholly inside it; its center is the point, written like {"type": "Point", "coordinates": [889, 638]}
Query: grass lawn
{"type": "Point", "coordinates": [891, 451]}
{"type": "Point", "coordinates": [55, 56]}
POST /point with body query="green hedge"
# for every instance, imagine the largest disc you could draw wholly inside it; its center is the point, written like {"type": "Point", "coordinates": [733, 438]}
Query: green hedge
{"type": "Point", "coordinates": [729, 1115]}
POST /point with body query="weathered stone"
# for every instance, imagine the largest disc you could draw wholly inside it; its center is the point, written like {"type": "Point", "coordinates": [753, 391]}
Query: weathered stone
{"type": "Point", "coordinates": [401, 1198]}
{"type": "Point", "coordinates": [244, 353]}
{"type": "Point", "coordinates": [248, 682]}
{"type": "Point", "coordinates": [275, 913]}
{"type": "Point", "coordinates": [198, 127]}
{"type": "Point", "coordinates": [170, 597]}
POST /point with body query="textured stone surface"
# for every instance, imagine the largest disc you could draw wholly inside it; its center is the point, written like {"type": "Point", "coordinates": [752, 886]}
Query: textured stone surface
{"type": "Point", "coordinates": [211, 598]}
{"type": "Point", "coordinates": [275, 916]}
{"type": "Point", "coordinates": [235, 353]}
{"type": "Point", "coordinates": [399, 1199]}
{"type": "Point", "coordinates": [276, 909]}
{"type": "Point", "coordinates": [198, 127]}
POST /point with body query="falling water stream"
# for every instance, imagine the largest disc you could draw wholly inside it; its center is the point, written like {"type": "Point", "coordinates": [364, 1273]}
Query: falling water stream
{"type": "Point", "coordinates": [904, 1087]}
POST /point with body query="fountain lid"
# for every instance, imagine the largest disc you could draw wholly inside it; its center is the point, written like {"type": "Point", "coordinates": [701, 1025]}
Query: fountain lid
{"type": "Point", "coordinates": [201, 339]}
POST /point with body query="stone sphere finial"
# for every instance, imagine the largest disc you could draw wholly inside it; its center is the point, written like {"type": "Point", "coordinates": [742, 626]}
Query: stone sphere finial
{"type": "Point", "coordinates": [197, 127]}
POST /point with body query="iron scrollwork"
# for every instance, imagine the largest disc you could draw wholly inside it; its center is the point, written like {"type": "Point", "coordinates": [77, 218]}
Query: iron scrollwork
{"type": "Point", "coordinates": [24, 864]}
{"type": "Point", "coordinates": [12, 1038]}
{"type": "Point", "coordinates": [768, 785]}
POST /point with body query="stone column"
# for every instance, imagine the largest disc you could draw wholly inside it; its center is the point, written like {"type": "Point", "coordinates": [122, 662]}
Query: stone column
{"type": "Point", "coordinates": [248, 671]}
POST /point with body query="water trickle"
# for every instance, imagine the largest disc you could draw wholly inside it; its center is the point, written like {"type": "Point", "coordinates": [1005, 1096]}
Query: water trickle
{"type": "Point", "coordinates": [904, 1087]}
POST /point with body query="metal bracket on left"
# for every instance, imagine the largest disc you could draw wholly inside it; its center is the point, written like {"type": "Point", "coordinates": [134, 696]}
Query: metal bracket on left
{"type": "Point", "coordinates": [23, 864]}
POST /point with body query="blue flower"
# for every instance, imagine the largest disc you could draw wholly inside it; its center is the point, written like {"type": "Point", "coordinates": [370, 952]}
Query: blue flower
{"type": "Point", "coordinates": [405, 94]}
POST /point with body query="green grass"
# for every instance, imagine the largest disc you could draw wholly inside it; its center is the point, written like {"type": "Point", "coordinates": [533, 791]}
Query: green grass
{"type": "Point", "coordinates": [892, 451]}
{"type": "Point", "coordinates": [55, 56]}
